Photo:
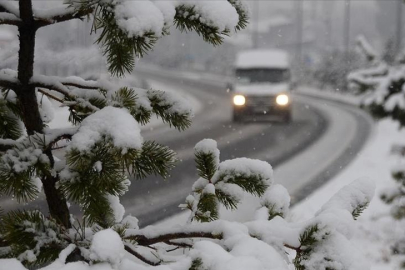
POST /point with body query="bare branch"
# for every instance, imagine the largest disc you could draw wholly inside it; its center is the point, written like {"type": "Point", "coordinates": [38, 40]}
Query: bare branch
{"type": "Point", "coordinates": [65, 14]}
{"type": "Point", "coordinates": [178, 244]}
{"type": "Point", "coordinates": [140, 257]}
{"type": "Point", "coordinates": [202, 231]}
{"type": "Point", "coordinates": [8, 84]}
{"type": "Point", "coordinates": [143, 240]}
{"type": "Point", "coordinates": [9, 19]}
{"type": "Point", "coordinates": [79, 83]}
{"type": "Point", "coordinates": [51, 84]}
{"type": "Point", "coordinates": [292, 247]}
{"type": "Point", "coordinates": [55, 135]}
{"type": "Point", "coordinates": [60, 83]}
{"type": "Point", "coordinates": [60, 88]}
{"type": "Point", "coordinates": [49, 95]}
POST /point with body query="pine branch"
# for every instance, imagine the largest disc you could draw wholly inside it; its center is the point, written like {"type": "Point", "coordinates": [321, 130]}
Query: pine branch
{"type": "Point", "coordinates": [50, 95]}
{"type": "Point", "coordinates": [229, 201]}
{"type": "Point", "coordinates": [164, 109]}
{"type": "Point", "coordinates": [273, 213]}
{"type": "Point", "coordinates": [206, 164]}
{"type": "Point", "coordinates": [197, 264]}
{"type": "Point", "coordinates": [10, 127]}
{"type": "Point", "coordinates": [207, 208]}
{"type": "Point", "coordinates": [153, 159]}
{"type": "Point", "coordinates": [119, 48]}
{"type": "Point", "coordinates": [359, 210]}
{"type": "Point", "coordinates": [242, 12]}
{"type": "Point", "coordinates": [187, 19]}
{"type": "Point", "coordinates": [18, 171]}
{"type": "Point", "coordinates": [252, 184]}
{"type": "Point", "coordinates": [30, 230]}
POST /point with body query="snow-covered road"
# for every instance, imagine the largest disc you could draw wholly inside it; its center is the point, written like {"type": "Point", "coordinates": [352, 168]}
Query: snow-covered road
{"type": "Point", "coordinates": [324, 136]}
{"type": "Point", "coordinates": [331, 134]}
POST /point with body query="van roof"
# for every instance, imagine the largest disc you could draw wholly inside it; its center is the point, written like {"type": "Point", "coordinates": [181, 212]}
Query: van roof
{"type": "Point", "coordinates": [262, 59]}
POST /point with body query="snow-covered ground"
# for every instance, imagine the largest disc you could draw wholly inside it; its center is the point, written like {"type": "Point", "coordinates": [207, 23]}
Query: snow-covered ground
{"type": "Point", "coordinates": [376, 230]}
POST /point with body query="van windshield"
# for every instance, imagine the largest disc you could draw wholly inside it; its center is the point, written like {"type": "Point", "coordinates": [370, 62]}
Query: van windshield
{"type": "Point", "coordinates": [262, 75]}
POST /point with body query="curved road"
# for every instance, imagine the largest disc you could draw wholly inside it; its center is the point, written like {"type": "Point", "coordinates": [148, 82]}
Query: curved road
{"type": "Point", "coordinates": [340, 130]}
{"type": "Point", "coordinates": [323, 138]}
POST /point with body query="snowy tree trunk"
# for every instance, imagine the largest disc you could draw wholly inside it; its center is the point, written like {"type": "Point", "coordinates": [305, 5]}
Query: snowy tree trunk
{"type": "Point", "coordinates": [29, 107]}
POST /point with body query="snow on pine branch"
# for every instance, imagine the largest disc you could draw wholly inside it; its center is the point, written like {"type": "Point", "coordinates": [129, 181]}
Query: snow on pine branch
{"type": "Point", "coordinates": [129, 29]}
{"type": "Point", "coordinates": [8, 78]}
{"type": "Point", "coordinates": [10, 19]}
{"type": "Point", "coordinates": [223, 183]}
{"type": "Point", "coordinates": [85, 97]}
{"type": "Point", "coordinates": [352, 198]}
{"type": "Point", "coordinates": [382, 87]}
{"type": "Point", "coordinates": [220, 15]}
{"type": "Point", "coordinates": [21, 166]}
{"type": "Point", "coordinates": [366, 49]}
{"type": "Point", "coordinates": [9, 13]}
{"type": "Point", "coordinates": [10, 7]}
{"type": "Point", "coordinates": [122, 128]}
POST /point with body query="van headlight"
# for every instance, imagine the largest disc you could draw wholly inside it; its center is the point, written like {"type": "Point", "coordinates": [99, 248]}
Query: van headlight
{"type": "Point", "coordinates": [239, 100]}
{"type": "Point", "coordinates": [282, 100]}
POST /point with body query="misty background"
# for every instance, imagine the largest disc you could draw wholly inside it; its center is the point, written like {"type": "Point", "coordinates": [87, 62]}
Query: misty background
{"type": "Point", "coordinates": [319, 35]}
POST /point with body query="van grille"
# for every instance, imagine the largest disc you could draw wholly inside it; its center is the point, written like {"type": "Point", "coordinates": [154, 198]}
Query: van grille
{"type": "Point", "coordinates": [260, 101]}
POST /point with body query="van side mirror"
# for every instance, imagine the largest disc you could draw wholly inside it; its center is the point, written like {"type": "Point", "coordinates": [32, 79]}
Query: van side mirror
{"type": "Point", "coordinates": [229, 87]}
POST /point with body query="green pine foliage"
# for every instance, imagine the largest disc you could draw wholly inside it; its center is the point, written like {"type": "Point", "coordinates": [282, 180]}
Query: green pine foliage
{"type": "Point", "coordinates": [35, 239]}
{"type": "Point", "coordinates": [310, 238]}
{"type": "Point", "coordinates": [10, 126]}
{"type": "Point", "coordinates": [205, 164]}
{"type": "Point", "coordinates": [197, 264]}
{"type": "Point", "coordinates": [217, 187]}
{"type": "Point", "coordinates": [20, 167]}
{"type": "Point", "coordinates": [243, 15]}
{"type": "Point", "coordinates": [164, 109]}
{"type": "Point", "coordinates": [359, 210]}
{"type": "Point", "coordinates": [273, 212]}
{"type": "Point", "coordinates": [187, 19]}
{"type": "Point", "coordinates": [88, 184]}
{"type": "Point", "coordinates": [253, 184]}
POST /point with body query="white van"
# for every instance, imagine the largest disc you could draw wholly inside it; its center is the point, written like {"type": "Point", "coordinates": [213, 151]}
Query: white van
{"type": "Point", "coordinates": [262, 85]}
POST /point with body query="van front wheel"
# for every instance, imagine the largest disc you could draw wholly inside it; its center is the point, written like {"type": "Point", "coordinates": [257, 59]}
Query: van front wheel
{"type": "Point", "coordinates": [287, 118]}
{"type": "Point", "coordinates": [236, 117]}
